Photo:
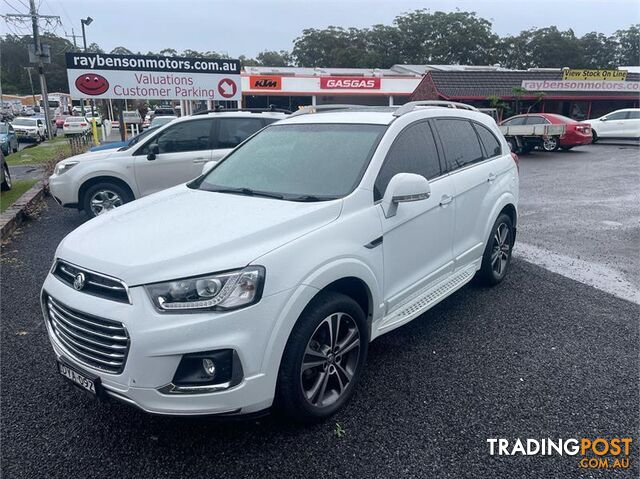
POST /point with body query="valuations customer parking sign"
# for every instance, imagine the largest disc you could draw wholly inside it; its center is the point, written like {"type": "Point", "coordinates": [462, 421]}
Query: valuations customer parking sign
{"type": "Point", "coordinates": [99, 75]}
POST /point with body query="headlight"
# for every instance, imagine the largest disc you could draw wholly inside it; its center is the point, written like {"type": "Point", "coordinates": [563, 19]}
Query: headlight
{"type": "Point", "coordinates": [223, 291]}
{"type": "Point", "coordinates": [64, 167]}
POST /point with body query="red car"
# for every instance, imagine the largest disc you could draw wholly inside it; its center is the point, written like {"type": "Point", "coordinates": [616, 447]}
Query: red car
{"type": "Point", "coordinates": [576, 133]}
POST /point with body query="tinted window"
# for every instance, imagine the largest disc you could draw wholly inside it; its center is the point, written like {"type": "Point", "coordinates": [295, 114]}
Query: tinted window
{"type": "Point", "coordinates": [298, 161]}
{"type": "Point", "coordinates": [515, 121]}
{"type": "Point", "coordinates": [633, 115]}
{"type": "Point", "coordinates": [536, 120]}
{"type": "Point", "coordinates": [233, 131]}
{"type": "Point", "coordinates": [489, 141]}
{"type": "Point", "coordinates": [619, 115]}
{"type": "Point", "coordinates": [459, 141]}
{"type": "Point", "coordinates": [185, 136]}
{"type": "Point", "coordinates": [413, 151]}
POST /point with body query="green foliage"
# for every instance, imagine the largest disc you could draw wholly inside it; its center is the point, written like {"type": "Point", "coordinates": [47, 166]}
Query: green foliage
{"type": "Point", "coordinates": [339, 431]}
{"type": "Point", "coordinates": [20, 187]}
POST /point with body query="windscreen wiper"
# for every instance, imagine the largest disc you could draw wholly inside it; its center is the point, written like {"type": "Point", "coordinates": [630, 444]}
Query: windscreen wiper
{"type": "Point", "coordinates": [311, 198]}
{"type": "Point", "coordinates": [248, 192]}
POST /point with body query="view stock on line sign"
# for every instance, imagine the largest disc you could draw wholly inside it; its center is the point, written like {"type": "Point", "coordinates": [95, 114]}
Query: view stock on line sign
{"type": "Point", "coordinates": [100, 75]}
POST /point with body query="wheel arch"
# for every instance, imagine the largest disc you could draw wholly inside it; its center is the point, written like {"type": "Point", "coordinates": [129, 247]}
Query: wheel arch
{"type": "Point", "coordinates": [88, 183]}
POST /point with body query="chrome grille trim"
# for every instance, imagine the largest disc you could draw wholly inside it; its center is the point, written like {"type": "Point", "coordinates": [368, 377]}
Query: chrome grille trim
{"type": "Point", "coordinates": [97, 284]}
{"type": "Point", "coordinates": [95, 342]}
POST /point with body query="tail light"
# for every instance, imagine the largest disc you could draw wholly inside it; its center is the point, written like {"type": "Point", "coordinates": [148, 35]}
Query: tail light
{"type": "Point", "coordinates": [83, 124]}
{"type": "Point", "coordinates": [586, 129]}
{"type": "Point", "coordinates": [516, 160]}
{"type": "Point", "coordinates": [66, 124]}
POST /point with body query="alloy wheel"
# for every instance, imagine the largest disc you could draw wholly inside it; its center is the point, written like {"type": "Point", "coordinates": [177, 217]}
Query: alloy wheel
{"type": "Point", "coordinates": [501, 249]}
{"type": "Point", "coordinates": [330, 360]}
{"type": "Point", "coordinates": [103, 201]}
{"type": "Point", "coordinates": [7, 177]}
{"type": "Point", "coordinates": [550, 144]}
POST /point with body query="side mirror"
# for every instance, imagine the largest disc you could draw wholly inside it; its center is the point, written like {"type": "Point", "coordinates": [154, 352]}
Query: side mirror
{"type": "Point", "coordinates": [604, 118]}
{"type": "Point", "coordinates": [208, 166]}
{"type": "Point", "coordinates": [403, 188]}
{"type": "Point", "coordinates": [154, 150]}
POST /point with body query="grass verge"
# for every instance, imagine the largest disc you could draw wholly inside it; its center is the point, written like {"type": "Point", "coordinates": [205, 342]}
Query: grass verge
{"type": "Point", "coordinates": [7, 198]}
{"type": "Point", "coordinates": [42, 153]}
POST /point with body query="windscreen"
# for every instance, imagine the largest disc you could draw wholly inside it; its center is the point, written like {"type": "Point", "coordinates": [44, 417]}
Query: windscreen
{"type": "Point", "coordinates": [24, 122]}
{"type": "Point", "coordinates": [318, 160]}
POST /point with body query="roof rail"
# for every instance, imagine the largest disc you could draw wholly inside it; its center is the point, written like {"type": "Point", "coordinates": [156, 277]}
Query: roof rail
{"type": "Point", "coordinates": [413, 105]}
{"type": "Point", "coordinates": [306, 110]}
{"type": "Point", "coordinates": [221, 109]}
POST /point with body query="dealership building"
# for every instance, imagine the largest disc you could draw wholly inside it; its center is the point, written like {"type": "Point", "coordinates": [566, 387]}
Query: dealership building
{"type": "Point", "coordinates": [514, 91]}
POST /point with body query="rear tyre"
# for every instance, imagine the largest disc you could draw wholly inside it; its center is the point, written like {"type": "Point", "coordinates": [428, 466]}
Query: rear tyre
{"type": "Point", "coordinates": [497, 254]}
{"type": "Point", "coordinates": [566, 148]}
{"type": "Point", "coordinates": [323, 359]}
{"type": "Point", "coordinates": [6, 183]}
{"type": "Point", "coordinates": [103, 197]}
{"type": "Point", "coordinates": [550, 144]}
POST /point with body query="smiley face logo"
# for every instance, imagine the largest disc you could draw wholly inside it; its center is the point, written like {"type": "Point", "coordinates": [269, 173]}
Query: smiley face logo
{"type": "Point", "coordinates": [92, 84]}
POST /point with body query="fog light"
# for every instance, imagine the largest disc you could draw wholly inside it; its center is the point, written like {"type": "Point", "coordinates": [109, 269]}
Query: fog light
{"type": "Point", "coordinates": [209, 367]}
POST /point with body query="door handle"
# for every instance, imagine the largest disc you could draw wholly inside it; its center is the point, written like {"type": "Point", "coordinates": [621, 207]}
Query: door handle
{"type": "Point", "coordinates": [445, 200]}
{"type": "Point", "coordinates": [491, 177]}
{"type": "Point", "coordinates": [200, 160]}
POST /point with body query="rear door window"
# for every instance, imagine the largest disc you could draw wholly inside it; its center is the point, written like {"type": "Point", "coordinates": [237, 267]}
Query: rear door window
{"type": "Point", "coordinates": [459, 142]}
{"type": "Point", "coordinates": [536, 120]}
{"type": "Point", "coordinates": [233, 131]}
{"type": "Point", "coordinates": [515, 121]}
{"type": "Point", "coordinates": [634, 115]}
{"type": "Point", "coordinates": [619, 115]}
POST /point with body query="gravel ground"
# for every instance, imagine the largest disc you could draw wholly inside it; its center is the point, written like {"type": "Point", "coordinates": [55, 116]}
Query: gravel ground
{"type": "Point", "coordinates": [538, 356]}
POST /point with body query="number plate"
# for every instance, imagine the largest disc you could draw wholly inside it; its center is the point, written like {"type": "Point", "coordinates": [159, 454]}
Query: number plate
{"type": "Point", "coordinates": [85, 381]}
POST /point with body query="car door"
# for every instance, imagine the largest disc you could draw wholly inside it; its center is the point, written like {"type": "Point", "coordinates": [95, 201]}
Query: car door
{"type": "Point", "coordinates": [474, 175]}
{"type": "Point", "coordinates": [182, 150]}
{"type": "Point", "coordinates": [632, 129]}
{"type": "Point", "coordinates": [612, 125]}
{"type": "Point", "coordinates": [230, 132]}
{"type": "Point", "coordinates": [417, 240]}
{"type": "Point", "coordinates": [13, 138]}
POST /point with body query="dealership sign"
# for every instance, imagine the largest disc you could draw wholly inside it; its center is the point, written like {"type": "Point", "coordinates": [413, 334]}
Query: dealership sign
{"type": "Point", "coordinates": [98, 75]}
{"type": "Point", "coordinates": [581, 74]}
{"type": "Point", "coordinates": [354, 83]}
{"type": "Point", "coordinates": [262, 82]}
{"type": "Point", "coordinates": [604, 86]}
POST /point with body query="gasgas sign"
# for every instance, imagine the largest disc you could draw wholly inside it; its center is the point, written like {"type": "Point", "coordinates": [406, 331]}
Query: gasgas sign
{"type": "Point", "coordinates": [352, 83]}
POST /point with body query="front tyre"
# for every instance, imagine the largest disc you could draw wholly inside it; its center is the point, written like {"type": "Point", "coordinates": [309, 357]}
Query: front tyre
{"type": "Point", "coordinates": [6, 183]}
{"type": "Point", "coordinates": [103, 197]}
{"type": "Point", "coordinates": [497, 254]}
{"type": "Point", "coordinates": [323, 358]}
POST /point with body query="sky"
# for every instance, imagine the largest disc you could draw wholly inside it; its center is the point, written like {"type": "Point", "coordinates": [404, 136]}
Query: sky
{"type": "Point", "coordinates": [250, 26]}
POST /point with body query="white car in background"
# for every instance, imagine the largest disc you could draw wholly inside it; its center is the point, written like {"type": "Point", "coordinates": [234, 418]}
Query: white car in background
{"type": "Point", "coordinates": [619, 124]}
{"type": "Point", "coordinates": [161, 120]}
{"type": "Point", "coordinates": [96, 117]}
{"type": "Point", "coordinates": [29, 129]}
{"type": "Point", "coordinates": [97, 182]}
{"type": "Point", "coordinates": [263, 281]}
{"type": "Point", "coordinates": [76, 125]}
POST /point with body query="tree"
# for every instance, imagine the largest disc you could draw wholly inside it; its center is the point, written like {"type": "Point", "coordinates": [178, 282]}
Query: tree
{"type": "Point", "coordinates": [542, 47]}
{"type": "Point", "coordinates": [628, 41]}
{"type": "Point", "coordinates": [272, 58]}
{"type": "Point", "coordinates": [168, 52]}
{"type": "Point", "coordinates": [121, 51]}
{"type": "Point", "coordinates": [596, 51]}
{"type": "Point", "coordinates": [446, 38]}
{"type": "Point", "coordinates": [331, 47]}
{"type": "Point", "coordinates": [94, 48]}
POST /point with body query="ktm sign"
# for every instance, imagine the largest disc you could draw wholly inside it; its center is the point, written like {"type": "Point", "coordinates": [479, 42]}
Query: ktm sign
{"type": "Point", "coordinates": [265, 83]}
{"type": "Point", "coordinates": [357, 83]}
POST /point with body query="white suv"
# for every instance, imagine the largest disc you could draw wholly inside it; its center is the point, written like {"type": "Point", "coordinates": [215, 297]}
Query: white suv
{"type": "Point", "coordinates": [97, 182]}
{"type": "Point", "coordinates": [263, 281]}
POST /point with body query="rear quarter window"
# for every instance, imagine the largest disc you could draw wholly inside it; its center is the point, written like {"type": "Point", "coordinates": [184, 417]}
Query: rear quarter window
{"type": "Point", "coordinates": [489, 141]}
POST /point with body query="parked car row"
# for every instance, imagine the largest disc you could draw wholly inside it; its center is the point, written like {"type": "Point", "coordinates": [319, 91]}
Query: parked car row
{"type": "Point", "coordinates": [262, 282]}
{"type": "Point", "coordinates": [523, 134]}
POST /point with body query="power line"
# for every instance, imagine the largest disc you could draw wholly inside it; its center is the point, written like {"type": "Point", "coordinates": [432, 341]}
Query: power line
{"type": "Point", "coordinates": [7, 2]}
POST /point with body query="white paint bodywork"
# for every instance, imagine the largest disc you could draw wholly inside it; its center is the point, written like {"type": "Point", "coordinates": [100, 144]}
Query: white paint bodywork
{"type": "Point", "coordinates": [430, 248]}
{"type": "Point", "coordinates": [605, 127]}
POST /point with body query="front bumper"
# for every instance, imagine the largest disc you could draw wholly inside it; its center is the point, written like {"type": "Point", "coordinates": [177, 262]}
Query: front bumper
{"type": "Point", "coordinates": [158, 342]}
{"type": "Point", "coordinates": [63, 190]}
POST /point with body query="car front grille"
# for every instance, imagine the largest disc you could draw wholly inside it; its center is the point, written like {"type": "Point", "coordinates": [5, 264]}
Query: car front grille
{"type": "Point", "coordinates": [95, 342]}
{"type": "Point", "coordinates": [92, 283]}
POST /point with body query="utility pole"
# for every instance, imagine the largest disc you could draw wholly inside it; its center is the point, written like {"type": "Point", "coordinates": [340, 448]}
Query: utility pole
{"type": "Point", "coordinates": [74, 36]}
{"type": "Point", "coordinates": [33, 14]}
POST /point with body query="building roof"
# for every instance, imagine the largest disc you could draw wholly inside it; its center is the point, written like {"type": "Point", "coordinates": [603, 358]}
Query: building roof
{"type": "Point", "coordinates": [481, 84]}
